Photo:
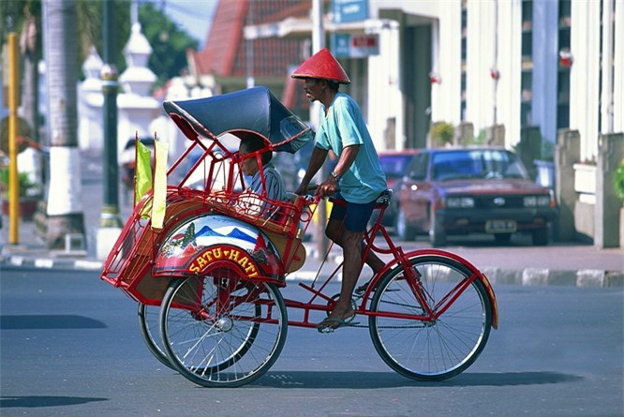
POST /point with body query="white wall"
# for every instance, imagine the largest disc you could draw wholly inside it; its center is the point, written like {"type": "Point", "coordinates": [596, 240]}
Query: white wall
{"type": "Point", "coordinates": [619, 67]}
{"type": "Point", "coordinates": [509, 64]}
{"type": "Point", "coordinates": [584, 98]}
{"type": "Point", "coordinates": [489, 22]}
{"type": "Point", "coordinates": [481, 37]}
{"type": "Point", "coordinates": [384, 69]}
{"type": "Point", "coordinates": [446, 49]}
{"type": "Point", "coordinates": [385, 98]}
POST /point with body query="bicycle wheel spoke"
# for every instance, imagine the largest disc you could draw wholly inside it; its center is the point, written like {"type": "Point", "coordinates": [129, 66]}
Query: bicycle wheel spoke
{"type": "Point", "coordinates": [216, 328]}
{"type": "Point", "coordinates": [436, 347]}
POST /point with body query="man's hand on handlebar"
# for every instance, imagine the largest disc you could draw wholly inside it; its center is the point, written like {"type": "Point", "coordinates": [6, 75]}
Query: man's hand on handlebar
{"type": "Point", "coordinates": [303, 189]}
{"type": "Point", "coordinates": [329, 187]}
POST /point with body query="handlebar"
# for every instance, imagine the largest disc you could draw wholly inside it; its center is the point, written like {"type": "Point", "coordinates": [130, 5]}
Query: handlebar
{"type": "Point", "coordinates": [312, 197]}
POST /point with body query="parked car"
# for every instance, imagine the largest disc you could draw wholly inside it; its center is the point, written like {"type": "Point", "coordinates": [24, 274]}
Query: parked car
{"type": "Point", "coordinates": [472, 190]}
{"type": "Point", "coordinates": [394, 164]}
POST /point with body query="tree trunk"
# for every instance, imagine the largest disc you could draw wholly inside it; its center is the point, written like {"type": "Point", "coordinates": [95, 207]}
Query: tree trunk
{"type": "Point", "coordinates": [64, 208]}
{"type": "Point", "coordinates": [30, 92]}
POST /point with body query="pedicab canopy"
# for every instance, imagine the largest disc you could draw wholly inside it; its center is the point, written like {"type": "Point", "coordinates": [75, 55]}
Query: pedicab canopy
{"type": "Point", "coordinates": [252, 110]}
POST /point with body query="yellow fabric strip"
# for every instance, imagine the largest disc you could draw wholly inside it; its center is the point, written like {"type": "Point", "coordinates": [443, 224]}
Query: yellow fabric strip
{"type": "Point", "coordinates": [143, 171]}
{"type": "Point", "coordinates": [161, 150]}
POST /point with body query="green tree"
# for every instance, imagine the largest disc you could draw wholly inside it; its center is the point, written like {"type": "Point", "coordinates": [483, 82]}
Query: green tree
{"type": "Point", "coordinates": [24, 18]}
{"type": "Point", "coordinates": [169, 43]}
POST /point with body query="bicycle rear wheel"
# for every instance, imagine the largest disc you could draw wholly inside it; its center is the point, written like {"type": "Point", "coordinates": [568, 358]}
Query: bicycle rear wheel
{"type": "Point", "coordinates": [222, 331]}
{"type": "Point", "coordinates": [436, 349]}
{"type": "Point", "coordinates": [149, 326]}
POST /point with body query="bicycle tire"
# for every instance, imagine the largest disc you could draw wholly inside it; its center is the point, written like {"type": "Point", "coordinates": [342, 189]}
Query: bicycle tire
{"type": "Point", "coordinates": [439, 349]}
{"type": "Point", "coordinates": [215, 351]}
{"type": "Point", "coordinates": [149, 326]}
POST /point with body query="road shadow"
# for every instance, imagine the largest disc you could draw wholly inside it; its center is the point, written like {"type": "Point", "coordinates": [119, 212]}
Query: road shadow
{"type": "Point", "coordinates": [44, 401]}
{"type": "Point", "coordinates": [48, 322]}
{"type": "Point", "coordinates": [381, 380]}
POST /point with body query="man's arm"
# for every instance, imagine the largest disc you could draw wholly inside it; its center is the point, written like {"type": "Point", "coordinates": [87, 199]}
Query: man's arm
{"type": "Point", "coordinates": [331, 184]}
{"type": "Point", "coordinates": [317, 159]}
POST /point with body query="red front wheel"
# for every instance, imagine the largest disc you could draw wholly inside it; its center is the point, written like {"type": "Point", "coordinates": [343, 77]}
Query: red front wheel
{"type": "Point", "coordinates": [439, 347]}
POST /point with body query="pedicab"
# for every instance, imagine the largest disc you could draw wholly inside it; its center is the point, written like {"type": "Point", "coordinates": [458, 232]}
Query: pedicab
{"type": "Point", "coordinates": [209, 283]}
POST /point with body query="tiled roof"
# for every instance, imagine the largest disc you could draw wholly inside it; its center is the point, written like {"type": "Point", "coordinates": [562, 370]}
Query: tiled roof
{"type": "Point", "coordinates": [224, 38]}
{"type": "Point", "coordinates": [225, 54]}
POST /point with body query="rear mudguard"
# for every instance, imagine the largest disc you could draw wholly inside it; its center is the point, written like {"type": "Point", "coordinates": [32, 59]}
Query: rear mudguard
{"type": "Point", "coordinates": [478, 275]}
{"type": "Point", "coordinates": [193, 246]}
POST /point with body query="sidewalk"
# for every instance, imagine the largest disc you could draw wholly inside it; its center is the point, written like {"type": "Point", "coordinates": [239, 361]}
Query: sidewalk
{"type": "Point", "coordinates": [518, 263]}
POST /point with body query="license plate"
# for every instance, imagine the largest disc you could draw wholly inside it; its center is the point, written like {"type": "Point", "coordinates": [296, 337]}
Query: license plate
{"type": "Point", "coordinates": [500, 226]}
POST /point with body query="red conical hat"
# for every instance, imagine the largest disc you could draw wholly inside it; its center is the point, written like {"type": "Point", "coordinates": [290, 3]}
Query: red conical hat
{"type": "Point", "coordinates": [322, 65]}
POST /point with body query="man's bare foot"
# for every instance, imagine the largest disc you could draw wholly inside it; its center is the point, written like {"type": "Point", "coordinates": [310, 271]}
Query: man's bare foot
{"type": "Point", "coordinates": [335, 321]}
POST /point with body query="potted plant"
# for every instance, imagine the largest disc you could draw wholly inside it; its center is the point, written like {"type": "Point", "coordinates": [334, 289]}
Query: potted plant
{"type": "Point", "coordinates": [29, 194]}
{"type": "Point", "coordinates": [442, 134]}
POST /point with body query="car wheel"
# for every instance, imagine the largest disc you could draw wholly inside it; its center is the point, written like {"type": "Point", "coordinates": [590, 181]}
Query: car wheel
{"type": "Point", "coordinates": [438, 236]}
{"type": "Point", "coordinates": [403, 229]}
{"type": "Point", "coordinates": [540, 236]}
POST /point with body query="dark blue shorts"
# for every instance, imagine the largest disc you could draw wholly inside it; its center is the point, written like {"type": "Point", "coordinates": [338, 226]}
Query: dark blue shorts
{"type": "Point", "coordinates": [356, 215]}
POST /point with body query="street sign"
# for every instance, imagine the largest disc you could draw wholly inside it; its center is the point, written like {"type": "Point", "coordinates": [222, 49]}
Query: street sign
{"type": "Point", "coordinates": [346, 45]}
{"type": "Point", "coordinates": [350, 10]}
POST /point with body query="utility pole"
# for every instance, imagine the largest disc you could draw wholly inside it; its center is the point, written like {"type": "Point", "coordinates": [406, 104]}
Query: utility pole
{"type": "Point", "coordinates": [110, 85]}
{"type": "Point", "coordinates": [318, 43]}
{"type": "Point", "coordinates": [13, 130]}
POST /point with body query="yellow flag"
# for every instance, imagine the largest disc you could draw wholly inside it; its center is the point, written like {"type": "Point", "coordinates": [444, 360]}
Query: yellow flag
{"type": "Point", "coordinates": [143, 171]}
{"type": "Point", "coordinates": [160, 184]}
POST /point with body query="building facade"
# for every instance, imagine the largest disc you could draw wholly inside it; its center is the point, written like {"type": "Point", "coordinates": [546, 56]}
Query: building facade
{"type": "Point", "coordinates": [550, 63]}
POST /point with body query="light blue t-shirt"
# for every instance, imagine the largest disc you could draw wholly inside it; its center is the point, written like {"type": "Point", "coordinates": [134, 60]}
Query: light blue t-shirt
{"type": "Point", "coordinates": [342, 127]}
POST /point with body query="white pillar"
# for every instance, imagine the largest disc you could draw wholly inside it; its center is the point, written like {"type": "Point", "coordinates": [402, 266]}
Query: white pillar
{"type": "Point", "coordinates": [318, 43]}
{"type": "Point", "coordinates": [509, 65]}
{"type": "Point", "coordinates": [481, 34]}
{"type": "Point", "coordinates": [446, 61]}
{"type": "Point", "coordinates": [90, 102]}
{"type": "Point", "coordinates": [385, 98]}
{"type": "Point", "coordinates": [545, 68]}
{"type": "Point", "coordinates": [607, 120]}
{"type": "Point", "coordinates": [584, 109]}
{"type": "Point", "coordinates": [619, 67]}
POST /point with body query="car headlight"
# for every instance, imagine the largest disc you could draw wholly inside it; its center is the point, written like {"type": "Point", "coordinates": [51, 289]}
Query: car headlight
{"type": "Point", "coordinates": [536, 201]}
{"type": "Point", "coordinates": [543, 201]}
{"type": "Point", "coordinates": [460, 202]}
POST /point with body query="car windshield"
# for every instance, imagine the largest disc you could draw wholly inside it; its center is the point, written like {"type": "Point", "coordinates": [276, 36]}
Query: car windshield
{"type": "Point", "coordinates": [480, 164]}
{"type": "Point", "coordinates": [395, 165]}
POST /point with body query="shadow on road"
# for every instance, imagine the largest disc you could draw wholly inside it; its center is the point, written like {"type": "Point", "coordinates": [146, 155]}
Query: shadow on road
{"type": "Point", "coordinates": [48, 322]}
{"type": "Point", "coordinates": [377, 380]}
{"type": "Point", "coordinates": [44, 401]}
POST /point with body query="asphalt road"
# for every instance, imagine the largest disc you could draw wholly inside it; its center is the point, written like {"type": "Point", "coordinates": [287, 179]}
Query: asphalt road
{"type": "Point", "coordinates": [70, 346]}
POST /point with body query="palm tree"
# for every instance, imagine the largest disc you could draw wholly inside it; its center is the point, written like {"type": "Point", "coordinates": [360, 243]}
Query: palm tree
{"type": "Point", "coordinates": [64, 209]}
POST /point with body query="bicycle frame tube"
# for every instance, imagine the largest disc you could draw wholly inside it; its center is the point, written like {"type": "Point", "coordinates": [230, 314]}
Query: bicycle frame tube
{"type": "Point", "coordinates": [400, 258]}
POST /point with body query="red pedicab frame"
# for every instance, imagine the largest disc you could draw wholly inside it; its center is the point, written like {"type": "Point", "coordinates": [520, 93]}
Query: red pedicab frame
{"type": "Point", "coordinates": [398, 299]}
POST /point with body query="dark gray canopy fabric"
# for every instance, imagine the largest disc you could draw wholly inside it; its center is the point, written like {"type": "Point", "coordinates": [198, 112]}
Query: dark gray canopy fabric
{"type": "Point", "coordinates": [252, 110]}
